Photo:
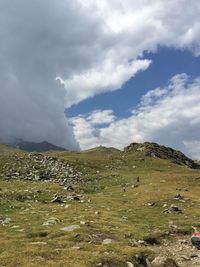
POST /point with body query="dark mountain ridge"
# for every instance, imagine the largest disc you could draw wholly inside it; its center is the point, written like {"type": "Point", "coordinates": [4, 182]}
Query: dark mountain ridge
{"type": "Point", "coordinates": [36, 147]}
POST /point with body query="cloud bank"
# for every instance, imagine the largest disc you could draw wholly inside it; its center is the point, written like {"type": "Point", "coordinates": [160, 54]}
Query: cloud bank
{"type": "Point", "coordinates": [168, 115]}
{"type": "Point", "coordinates": [54, 54]}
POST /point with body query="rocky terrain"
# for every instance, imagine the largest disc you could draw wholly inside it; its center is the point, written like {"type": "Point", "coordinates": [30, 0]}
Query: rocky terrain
{"type": "Point", "coordinates": [162, 152]}
{"type": "Point", "coordinates": [100, 207]}
{"type": "Point", "coordinates": [36, 167]}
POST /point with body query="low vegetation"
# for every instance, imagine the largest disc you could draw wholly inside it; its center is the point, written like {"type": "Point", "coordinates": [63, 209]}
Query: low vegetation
{"type": "Point", "coordinates": [122, 209]}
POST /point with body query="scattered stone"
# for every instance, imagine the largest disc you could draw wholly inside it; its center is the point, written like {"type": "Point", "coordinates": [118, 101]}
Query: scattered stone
{"type": "Point", "coordinates": [20, 230]}
{"type": "Point", "coordinates": [97, 212]}
{"type": "Point", "coordinates": [5, 221]}
{"type": "Point", "coordinates": [38, 243]}
{"type": "Point", "coordinates": [51, 221]}
{"type": "Point", "coordinates": [173, 209]}
{"type": "Point", "coordinates": [74, 197]}
{"type": "Point", "coordinates": [71, 228]}
{"type": "Point", "coordinates": [57, 199]}
{"type": "Point", "coordinates": [37, 167]}
{"type": "Point", "coordinates": [135, 186]}
{"type": "Point", "coordinates": [129, 264]}
{"type": "Point", "coordinates": [179, 197]}
{"type": "Point", "coordinates": [133, 243]}
{"type": "Point", "coordinates": [151, 204]}
{"type": "Point", "coordinates": [141, 242]}
{"type": "Point", "coordinates": [76, 247]}
{"type": "Point", "coordinates": [69, 188]}
{"type": "Point", "coordinates": [107, 241]}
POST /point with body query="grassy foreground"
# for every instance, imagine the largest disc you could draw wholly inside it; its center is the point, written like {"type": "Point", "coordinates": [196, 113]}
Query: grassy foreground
{"type": "Point", "coordinates": [113, 206]}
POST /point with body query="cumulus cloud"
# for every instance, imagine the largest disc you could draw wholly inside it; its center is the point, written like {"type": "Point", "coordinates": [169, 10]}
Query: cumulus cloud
{"type": "Point", "coordinates": [101, 117]}
{"type": "Point", "coordinates": [89, 46]}
{"type": "Point", "coordinates": [168, 115]}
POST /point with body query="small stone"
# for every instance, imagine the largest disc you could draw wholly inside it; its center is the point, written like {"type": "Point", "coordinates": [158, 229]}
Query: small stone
{"type": "Point", "coordinates": [5, 221]}
{"type": "Point", "coordinates": [107, 241]}
{"type": "Point", "coordinates": [71, 228]}
{"type": "Point", "coordinates": [76, 247]}
{"type": "Point", "coordinates": [97, 213]}
{"type": "Point", "coordinates": [51, 221]}
{"type": "Point", "coordinates": [179, 197]}
{"type": "Point", "coordinates": [151, 204]}
{"type": "Point", "coordinates": [129, 264]}
{"type": "Point", "coordinates": [57, 199]}
{"type": "Point", "coordinates": [38, 243]}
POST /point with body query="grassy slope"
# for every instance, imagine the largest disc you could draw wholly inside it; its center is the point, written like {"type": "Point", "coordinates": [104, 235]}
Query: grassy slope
{"type": "Point", "coordinates": [107, 210]}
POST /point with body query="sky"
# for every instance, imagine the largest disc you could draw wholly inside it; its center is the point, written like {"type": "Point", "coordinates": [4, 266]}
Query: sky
{"type": "Point", "coordinates": [80, 73]}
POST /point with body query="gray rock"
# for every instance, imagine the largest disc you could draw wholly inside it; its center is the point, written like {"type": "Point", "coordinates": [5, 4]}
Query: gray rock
{"type": "Point", "coordinates": [129, 264]}
{"type": "Point", "coordinates": [159, 261]}
{"type": "Point", "coordinates": [107, 241]}
{"type": "Point", "coordinates": [71, 228]}
{"type": "Point", "coordinates": [51, 221]}
{"type": "Point", "coordinates": [5, 221]}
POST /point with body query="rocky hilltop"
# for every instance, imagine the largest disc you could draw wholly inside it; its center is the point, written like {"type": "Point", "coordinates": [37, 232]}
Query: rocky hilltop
{"type": "Point", "coordinates": [162, 152]}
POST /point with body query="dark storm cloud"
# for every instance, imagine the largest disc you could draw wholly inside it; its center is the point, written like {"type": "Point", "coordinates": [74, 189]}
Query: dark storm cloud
{"type": "Point", "coordinates": [39, 41]}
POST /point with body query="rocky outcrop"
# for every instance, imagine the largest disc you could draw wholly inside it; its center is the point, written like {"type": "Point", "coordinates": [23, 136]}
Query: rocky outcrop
{"type": "Point", "coordinates": [162, 152]}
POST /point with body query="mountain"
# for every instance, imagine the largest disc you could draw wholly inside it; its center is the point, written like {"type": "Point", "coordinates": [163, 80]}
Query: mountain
{"type": "Point", "coordinates": [36, 147]}
{"type": "Point", "coordinates": [162, 152]}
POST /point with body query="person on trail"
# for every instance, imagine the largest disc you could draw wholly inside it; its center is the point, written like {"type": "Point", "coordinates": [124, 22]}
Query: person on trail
{"type": "Point", "coordinates": [195, 239]}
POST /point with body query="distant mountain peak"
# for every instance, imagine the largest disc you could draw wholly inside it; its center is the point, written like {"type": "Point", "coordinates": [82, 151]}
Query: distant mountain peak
{"type": "Point", "coordinates": [43, 146]}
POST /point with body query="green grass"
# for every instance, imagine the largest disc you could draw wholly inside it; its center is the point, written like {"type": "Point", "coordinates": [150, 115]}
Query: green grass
{"type": "Point", "coordinates": [108, 211]}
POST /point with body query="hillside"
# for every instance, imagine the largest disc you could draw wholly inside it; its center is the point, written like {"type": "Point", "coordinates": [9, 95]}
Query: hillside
{"type": "Point", "coordinates": [162, 152]}
{"type": "Point", "coordinates": [100, 207]}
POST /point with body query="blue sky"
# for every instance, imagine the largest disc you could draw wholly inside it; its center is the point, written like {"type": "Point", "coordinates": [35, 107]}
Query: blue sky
{"type": "Point", "coordinates": [80, 74]}
{"type": "Point", "coordinates": [166, 62]}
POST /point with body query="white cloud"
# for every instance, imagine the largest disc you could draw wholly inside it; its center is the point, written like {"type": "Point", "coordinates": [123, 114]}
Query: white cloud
{"type": "Point", "coordinates": [108, 77]}
{"type": "Point", "coordinates": [101, 116]}
{"type": "Point", "coordinates": [168, 115]}
{"type": "Point", "coordinates": [127, 29]}
{"type": "Point", "coordinates": [92, 45]}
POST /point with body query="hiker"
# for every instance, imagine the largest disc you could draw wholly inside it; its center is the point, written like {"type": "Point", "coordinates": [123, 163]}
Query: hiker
{"type": "Point", "coordinates": [195, 239]}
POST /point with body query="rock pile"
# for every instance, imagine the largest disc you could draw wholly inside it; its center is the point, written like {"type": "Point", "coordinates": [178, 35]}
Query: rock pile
{"type": "Point", "coordinates": [36, 167]}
